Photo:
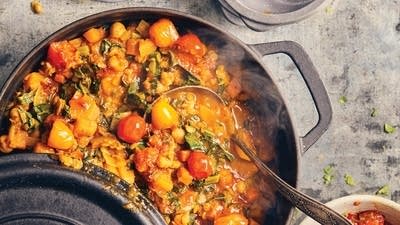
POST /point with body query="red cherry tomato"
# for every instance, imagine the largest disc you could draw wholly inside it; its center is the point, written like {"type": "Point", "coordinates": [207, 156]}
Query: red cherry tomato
{"type": "Point", "coordinates": [55, 56]}
{"type": "Point", "coordinates": [199, 165]}
{"type": "Point", "coordinates": [190, 43]}
{"type": "Point", "coordinates": [131, 128]}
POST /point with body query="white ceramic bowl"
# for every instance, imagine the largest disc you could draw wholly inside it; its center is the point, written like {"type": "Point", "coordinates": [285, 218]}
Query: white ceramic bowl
{"type": "Point", "coordinates": [358, 203]}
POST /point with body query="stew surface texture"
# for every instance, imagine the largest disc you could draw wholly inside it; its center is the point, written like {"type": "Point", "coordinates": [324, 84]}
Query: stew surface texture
{"type": "Point", "coordinates": [93, 100]}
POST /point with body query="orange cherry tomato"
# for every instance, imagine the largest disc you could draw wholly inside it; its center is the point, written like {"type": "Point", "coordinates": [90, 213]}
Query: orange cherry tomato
{"type": "Point", "coordinates": [131, 128]}
{"type": "Point", "coordinates": [163, 33]}
{"type": "Point", "coordinates": [190, 43]}
{"type": "Point", "coordinates": [163, 115]}
{"type": "Point", "coordinates": [61, 136]}
{"type": "Point", "coordinates": [199, 165]}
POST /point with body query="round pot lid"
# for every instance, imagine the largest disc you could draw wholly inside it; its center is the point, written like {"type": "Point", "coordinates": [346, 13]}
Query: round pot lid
{"type": "Point", "coordinates": [34, 189]}
{"type": "Point", "coordinates": [276, 11]}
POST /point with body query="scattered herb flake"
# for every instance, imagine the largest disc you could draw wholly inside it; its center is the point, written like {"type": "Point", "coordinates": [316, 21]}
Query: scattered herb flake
{"type": "Point", "coordinates": [328, 174]}
{"type": "Point", "coordinates": [329, 10]}
{"type": "Point", "coordinates": [384, 190]}
{"type": "Point", "coordinates": [342, 100]}
{"type": "Point", "coordinates": [389, 129]}
{"type": "Point", "coordinates": [349, 180]}
{"type": "Point", "coordinates": [374, 112]}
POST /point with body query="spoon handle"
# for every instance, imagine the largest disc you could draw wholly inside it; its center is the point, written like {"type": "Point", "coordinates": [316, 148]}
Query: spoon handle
{"type": "Point", "coordinates": [314, 209]}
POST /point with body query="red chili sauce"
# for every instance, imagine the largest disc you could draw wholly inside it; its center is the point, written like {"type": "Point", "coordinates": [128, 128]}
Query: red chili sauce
{"type": "Point", "coordinates": [369, 217]}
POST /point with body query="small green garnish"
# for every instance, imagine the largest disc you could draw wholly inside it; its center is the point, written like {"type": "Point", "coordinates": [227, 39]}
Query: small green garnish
{"type": "Point", "coordinates": [389, 129]}
{"type": "Point", "coordinates": [26, 98]}
{"type": "Point", "coordinates": [374, 112]}
{"type": "Point", "coordinates": [194, 141]}
{"type": "Point", "coordinates": [384, 190]}
{"type": "Point", "coordinates": [349, 180]}
{"type": "Point", "coordinates": [328, 174]}
{"type": "Point", "coordinates": [342, 100]}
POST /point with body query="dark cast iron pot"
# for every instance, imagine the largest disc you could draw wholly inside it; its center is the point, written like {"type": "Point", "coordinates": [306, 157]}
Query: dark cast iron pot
{"type": "Point", "coordinates": [34, 189]}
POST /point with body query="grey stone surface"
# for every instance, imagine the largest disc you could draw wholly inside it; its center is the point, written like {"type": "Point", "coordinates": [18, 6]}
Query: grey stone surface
{"type": "Point", "coordinates": [354, 45]}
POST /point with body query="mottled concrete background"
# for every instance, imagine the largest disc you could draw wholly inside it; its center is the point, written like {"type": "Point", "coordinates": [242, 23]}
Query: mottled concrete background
{"type": "Point", "coordinates": [354, 44]}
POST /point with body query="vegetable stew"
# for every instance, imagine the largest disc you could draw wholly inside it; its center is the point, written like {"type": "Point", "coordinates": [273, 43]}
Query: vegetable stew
{"type": "Point", "coordinates": [87, 101]}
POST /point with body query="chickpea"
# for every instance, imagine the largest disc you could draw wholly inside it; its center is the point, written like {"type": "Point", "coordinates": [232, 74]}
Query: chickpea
{"type": "Point", "coordinates": [179, 135]}
{"type": "Point", "coordinates": [36, 6]}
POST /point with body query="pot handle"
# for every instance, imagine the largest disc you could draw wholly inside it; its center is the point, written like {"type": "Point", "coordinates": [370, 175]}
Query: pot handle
{"type": "Point", "coordinates": [312, 80]}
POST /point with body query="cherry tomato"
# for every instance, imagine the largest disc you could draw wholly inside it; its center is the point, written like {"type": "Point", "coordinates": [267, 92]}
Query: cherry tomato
{"type": "Point", "coordinates": [163, 115]}
{"type": "Point", "coordinates": [163, 33]}
{"type": "Point", "coordinates": [61, 136]}
{"type": "Point", "coordinates": [55, 56]}
{"type": "Point", "coordinates": [190, 43]}
{"type": "Point", "coordinates": [199, 165]}
{"type": "Point", "coordinates": [131, 128]}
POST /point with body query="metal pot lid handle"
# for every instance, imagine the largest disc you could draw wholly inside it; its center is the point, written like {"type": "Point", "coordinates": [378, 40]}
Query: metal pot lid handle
{"type": "Point", "coordinates": [313, 82]}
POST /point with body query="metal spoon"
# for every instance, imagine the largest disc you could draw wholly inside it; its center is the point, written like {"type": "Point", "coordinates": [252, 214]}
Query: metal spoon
{"type": "Point", "coordinates": [311, 207]}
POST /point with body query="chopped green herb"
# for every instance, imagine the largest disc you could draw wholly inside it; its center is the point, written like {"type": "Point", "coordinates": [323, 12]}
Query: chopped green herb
{"type": "Point", "coordinates": [211, 179]}
{"type": "Point", "coordinates": [154, 67]}
{"type": "Point", "coordinates": [95, 86]}
{"type": "Point", "coordinates": [197, 184]}
{"type": "Point", "coordinates": [384, 190]}
{"type": "Point", "coordinates": [153, 86]}
{"type": "Point", "coordinates": [374, 112]}
{"type": "Point", "coordinates": [349, 180]}
{"type": "Point", "coordinates": [191, 79]}
{"type": "Point", "coordinates": [389, 128]}
{"type": "Point", "coordinates": [85, 80]}
{"type": "Point", "coordinates": [138, 101]}
{"type": "Point", "coordinates": [136, 98]}
{"type": "Point", "coordinates": [67, 90]}
{"type": "Point", "coordinates": [105, 46]}
{"type": "Point", "coordinates": [218, 197]}
{"type": "Point", "coordinates": [42, 111]}
{"type": "Point", "coordinates": [342, 100]}
{"type": "Point", "coordinates": [173, 61]}
{"type": "Point", "coordinates": [27, 119]}
{"type": "Point", "coordinates": [173, 199]}
{"type": "Point", "coordinates": [328, 174]}
{"type": "Point", "coordinates": [194, 141]}
{"type": "Point", "coordinates": [26, 98]}
{"type": "Point", "coordinates": [134, 86]}
{"type": "Point", "coordinates": [190, 129]}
